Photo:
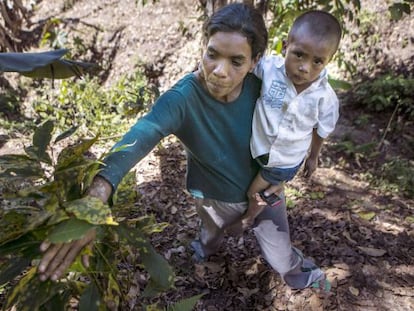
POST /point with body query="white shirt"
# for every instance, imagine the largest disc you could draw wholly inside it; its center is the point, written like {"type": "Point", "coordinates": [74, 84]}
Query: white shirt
{"type": "Point", "coordinates": [283, 121]}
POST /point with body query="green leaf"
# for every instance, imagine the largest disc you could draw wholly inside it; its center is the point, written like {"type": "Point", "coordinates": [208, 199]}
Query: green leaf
{"type": "Point", "coordinates": [317, 195]}
{"type": "Point", "coordinates": [16, 224]}
{"type": "Point", "coordinates": [13, 268]}
{"type": "Point", "coordinates": [66, 134]}
{"type": "Point", "coordinates": [27, 244]}
{"type": "Point", "coordinates": [41, 140]}
{"type": "Point", "coordinates": [30, 293]}
{"type": "Point", "coordinates": [162, 276]}
{"type": "Point", "coordinates": [26, 62]}
{"type": "Point", "coordinates": [90, 209]}
{"type": "Point", "coordinates": [57, 302]}
{"type": "Point", "coordinates": [16, 166]}
{"type": "Point", "coordinates": [185, 304]}
{"type": "Point", "coordinates": [410, 219]}
{"type": "Point", "coordinates": [73, 154]}
{"type": "Point", "coordinates": [366, 215]}
{"type": "Point", "coordinates": [397, 10]}
{"type": "Point", "coordinates": [340, 84]}
{"type": "Point", "coordinates": [90, 299]}
{"type": "Point", "coordinates": [43, 65]}
{"type": "Point", "coordinates": [69, 230]}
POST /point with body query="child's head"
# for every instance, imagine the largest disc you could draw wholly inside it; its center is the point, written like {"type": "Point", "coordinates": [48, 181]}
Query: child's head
{"type": "Point", "coordinates": [311, 44]}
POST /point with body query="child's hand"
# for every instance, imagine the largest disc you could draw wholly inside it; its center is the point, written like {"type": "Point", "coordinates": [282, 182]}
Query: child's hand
{"type": "Point", "coordinates": [310, 166]}
{"type": "Point", "coordinates": [276, 189]}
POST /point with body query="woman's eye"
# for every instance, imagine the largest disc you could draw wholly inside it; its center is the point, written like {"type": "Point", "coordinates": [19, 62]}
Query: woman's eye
{"type": "Point", "coordinates": [211, 55]}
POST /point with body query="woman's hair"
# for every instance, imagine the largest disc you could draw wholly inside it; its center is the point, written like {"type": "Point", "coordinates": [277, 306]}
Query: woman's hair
{"type": "Point", "coordinates": [241, 18]}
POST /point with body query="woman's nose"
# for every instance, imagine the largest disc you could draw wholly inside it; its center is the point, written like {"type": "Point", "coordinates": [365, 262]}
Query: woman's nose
{"type": "Point", "coordinates": [221, 69]}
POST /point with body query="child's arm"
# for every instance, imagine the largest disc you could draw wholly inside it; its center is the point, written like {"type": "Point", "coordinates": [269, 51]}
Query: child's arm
{"type": "Point", "coordinates": [312, 161]}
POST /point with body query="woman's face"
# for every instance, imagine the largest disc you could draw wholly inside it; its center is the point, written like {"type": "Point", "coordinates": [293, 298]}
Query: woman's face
{"type": "Point", "coordinates": [226, 61]}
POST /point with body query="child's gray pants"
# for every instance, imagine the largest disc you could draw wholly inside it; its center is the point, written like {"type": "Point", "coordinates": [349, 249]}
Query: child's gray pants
{"type": "Point", "coordinates": [271, 229]}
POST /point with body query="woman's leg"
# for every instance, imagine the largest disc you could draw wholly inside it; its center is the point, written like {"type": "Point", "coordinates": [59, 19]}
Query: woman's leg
{"type": "Point", "coordinates": [271, 229]}
{"type": "Point", "coordinates": [215, 217]}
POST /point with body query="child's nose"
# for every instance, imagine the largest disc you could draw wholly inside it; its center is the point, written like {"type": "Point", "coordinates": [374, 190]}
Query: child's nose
{"type": "Point", "coordinates": [304, 67]}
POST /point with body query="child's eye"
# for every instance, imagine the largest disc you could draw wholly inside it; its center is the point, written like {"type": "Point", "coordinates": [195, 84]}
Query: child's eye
{"type": "Point", "coordinates": [318, 62]}
{"type": "Point", "coordinates": [298, 54]}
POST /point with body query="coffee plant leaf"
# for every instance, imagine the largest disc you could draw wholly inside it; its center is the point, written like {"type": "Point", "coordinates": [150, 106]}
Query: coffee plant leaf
{"type": "Point", "coordinates": [90, 299]}
{"type": "Point", "coordinates": [13, 268]}
{"type": "Point", "coordinates": [26, 245]}
{"type": "Point", "coordinates": [26, 62]}
{"type": "Point", "coordinates": [41, 140]}
{"type": "Point", "coordinates": [17, 166]}
{"type": "Point", "coordinates": [187, 304]}
{"type": "Point", "coordinates": [69, 230]}
{"type": "Point", "coordinates": [15, 224]}
{"type": "Point", "coordinates": [30, 293]}
{"type": "Point", "coordinates": [161, 274]}
{"type": "Point", "coordinates": [73, 154]}
{"type": "Point", "coordinates": [66, 134]}
{"type": "Point", "coordinates": [91, 210]}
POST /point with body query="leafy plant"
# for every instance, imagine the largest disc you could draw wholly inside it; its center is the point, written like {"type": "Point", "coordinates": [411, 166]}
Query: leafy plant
{"type": "Point", "coordinates": [43, 199]}
{"type": "Point", "coordinates": [398, 9]}
{"type": "Point", "coordinates": [399, 174]}
{"type": "Point", "coordinates": [285, 12]}
{"type": "Point", "coordinates": [385, 93]}
{"type": "Point", "coordinates": [86, 104]}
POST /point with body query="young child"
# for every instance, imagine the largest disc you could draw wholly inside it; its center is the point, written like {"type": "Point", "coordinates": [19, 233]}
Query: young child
{"type": "Point", "coordinates": [297, 108]}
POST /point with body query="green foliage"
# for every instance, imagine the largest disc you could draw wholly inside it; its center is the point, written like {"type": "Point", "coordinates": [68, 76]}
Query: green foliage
{"type": "Point", "coordinates": [285, 12]}
{"type": "Point", "coordinates": [385, 93]}
{"type": "Point", "coordinates": [52, 36]}
{"type": "Point", "coordinates": [87, 105]}
{"type": "Point", "coordinates": [50, 204]}
{"type": "Point", "coordinates": [398, 9]}
{"type": "Point", "coordinates": [398, 174]}
{"type": "Point", "coordinates": [350, 148]}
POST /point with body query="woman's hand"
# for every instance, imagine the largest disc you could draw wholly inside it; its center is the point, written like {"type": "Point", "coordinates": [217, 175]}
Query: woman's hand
{"type": "Point", "coordinates": [58, 257]}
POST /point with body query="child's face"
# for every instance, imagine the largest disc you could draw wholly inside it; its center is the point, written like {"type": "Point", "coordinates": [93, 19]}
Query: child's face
{"type": "Point", "coordinates": [306, 57]}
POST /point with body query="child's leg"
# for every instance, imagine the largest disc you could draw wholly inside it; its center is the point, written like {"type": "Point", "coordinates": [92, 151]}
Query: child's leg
{"type": "Point", "coordinates": [254, 208]}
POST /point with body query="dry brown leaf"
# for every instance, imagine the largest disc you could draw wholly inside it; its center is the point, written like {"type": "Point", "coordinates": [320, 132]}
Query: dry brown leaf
{"type": "Point", "coordinates": [354, 291]}
{"type": "Point", "coordinates": [373, 252]}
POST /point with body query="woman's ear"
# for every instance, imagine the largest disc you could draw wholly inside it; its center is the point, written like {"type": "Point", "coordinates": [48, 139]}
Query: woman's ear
{"type": "Point", "coordinates": [254, 62]}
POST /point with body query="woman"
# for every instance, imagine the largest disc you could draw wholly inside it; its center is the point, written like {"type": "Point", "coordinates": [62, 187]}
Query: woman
{"type": "Point", "coordinates": [210, 111]}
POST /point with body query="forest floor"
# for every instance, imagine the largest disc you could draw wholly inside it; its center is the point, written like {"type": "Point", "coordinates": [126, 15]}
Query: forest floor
{"type": "Point", "coordinates": [360, 235]}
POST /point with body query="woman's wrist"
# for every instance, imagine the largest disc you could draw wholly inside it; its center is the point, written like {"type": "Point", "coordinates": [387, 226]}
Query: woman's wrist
{"type": "Point", "coordinates": [100, 188]}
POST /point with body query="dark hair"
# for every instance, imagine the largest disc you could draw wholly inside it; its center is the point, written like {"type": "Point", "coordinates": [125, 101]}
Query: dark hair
{"type": "Point", "coordinates": [319, 23]}
{"type": "Point", "coordinates": [242, 18]}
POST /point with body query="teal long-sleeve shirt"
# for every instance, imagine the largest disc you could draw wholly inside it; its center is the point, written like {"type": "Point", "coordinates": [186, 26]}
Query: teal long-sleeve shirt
{"type": "Point", "coordinates": [216, 137]}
